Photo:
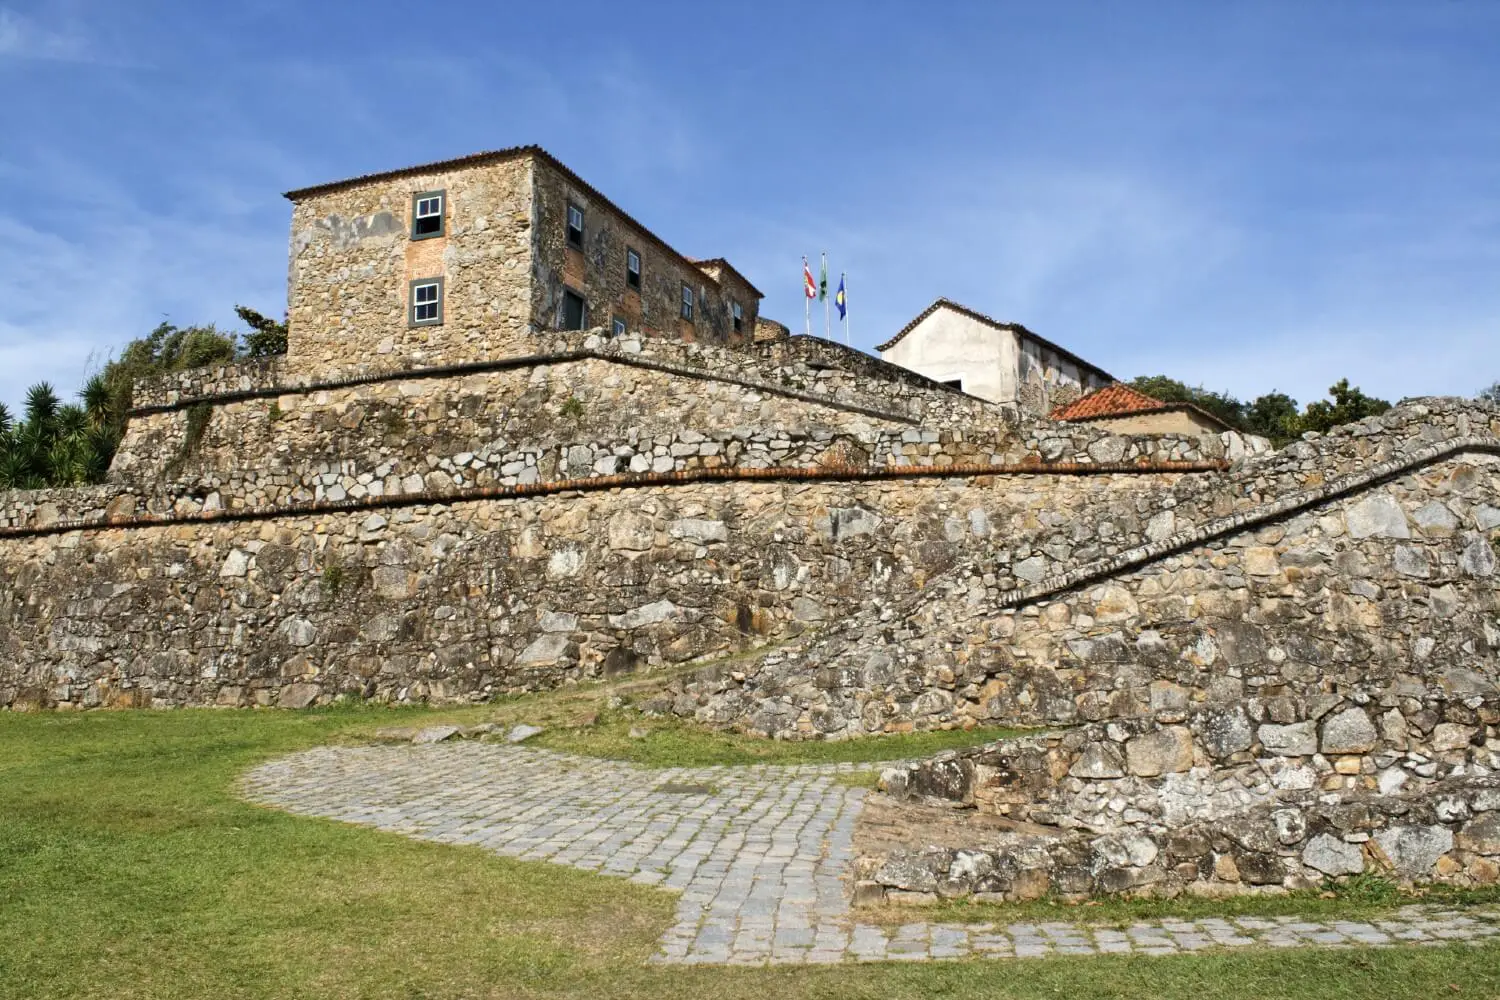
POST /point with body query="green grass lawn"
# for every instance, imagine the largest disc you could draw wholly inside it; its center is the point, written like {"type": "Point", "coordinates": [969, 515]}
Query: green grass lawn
{"type": "Point", "coordinates": [128, 868]}
{"type": "Point", "coordinates": [669, 743]}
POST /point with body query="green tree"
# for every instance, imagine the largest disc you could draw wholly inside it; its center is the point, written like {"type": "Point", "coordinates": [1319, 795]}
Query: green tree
{"type": "Point", "coordinates": [1491, 395]}
{"type": "Point", "coordinates": [1169, 390]}
{"type": "Point", "coordinates": [164, 350]}
{"type": "Point", "coordinates": [266, 336]}
{"type": "Point", "coordinates": [60, 445]}
{"type": "Point", "coordinates": [1347, 404]}
{"type": "Point", "coordinates": [1274, 416]}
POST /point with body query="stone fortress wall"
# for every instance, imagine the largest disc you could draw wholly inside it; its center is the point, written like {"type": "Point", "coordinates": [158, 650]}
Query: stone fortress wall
{"type": "Point", "coordinates": [233, 440]}
{"type": "Point", "coordinates": [297, 516]}
{"type": "Point", "coordinates": [908, 557]}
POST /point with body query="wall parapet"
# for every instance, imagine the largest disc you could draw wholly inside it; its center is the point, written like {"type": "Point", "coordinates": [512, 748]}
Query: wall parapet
{"type": "Point", "coordinates": [890, 396]}
{"type": "Point", "coordinates": [244, 379]}
{"type": "Point", "coordinates": [26, 514]}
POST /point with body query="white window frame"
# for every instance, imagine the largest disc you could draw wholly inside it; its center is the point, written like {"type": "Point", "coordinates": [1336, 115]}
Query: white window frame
{"type": "Point", "coordinates": [737, 316]}
{"type": "Point", "coordinates": [688, 301]}
{"type": "Point", "coordinates": [568, 231]}
{"type": "Point", "coordinates": [632, 272]}
{"type": "Point", "coordinates": [426, 198]}
{"type": "Point", "coordinates": [618, 327]}
{"type": "Point", "coordinates": [415, 317]}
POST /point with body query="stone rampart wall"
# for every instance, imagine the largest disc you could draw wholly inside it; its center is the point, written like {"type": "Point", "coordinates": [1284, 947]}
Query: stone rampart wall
{"type": "Point", "coordinates": [1393, 585]}
{"type": "Point", "coordinates": [513, 425]}
{"type": "Point", "coordinates": [452, 602]}
{"type": "Point", "coordinates": [262, 375]}
{"type": "Point", "coordinates": [601, 410]}
{"type": "Point", "coordinates": [855, 380]}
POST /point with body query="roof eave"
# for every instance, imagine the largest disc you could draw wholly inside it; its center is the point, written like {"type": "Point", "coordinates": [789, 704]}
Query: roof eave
{"type": "Point", "coordinates": [458, 162]}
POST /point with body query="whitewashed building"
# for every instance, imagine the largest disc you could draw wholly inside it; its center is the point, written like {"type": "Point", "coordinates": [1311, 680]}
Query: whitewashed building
{"type": "Point", "coordinates": [1000, 362]}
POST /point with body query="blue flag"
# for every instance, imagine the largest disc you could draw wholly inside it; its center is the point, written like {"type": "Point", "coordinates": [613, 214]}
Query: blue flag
{"type": "Point", "coordinates": [838, 298]}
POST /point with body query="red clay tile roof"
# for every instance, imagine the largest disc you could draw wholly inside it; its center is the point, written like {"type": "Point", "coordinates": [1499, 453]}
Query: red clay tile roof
{"type": "Point", "coordinates": [1110, 401]}
{"type": "Point", "coordinates": [500, 156]}
{"type": "Point", "coordinates": [1119, 400]}
{"type": "Point", "coordinates": [944, 303]}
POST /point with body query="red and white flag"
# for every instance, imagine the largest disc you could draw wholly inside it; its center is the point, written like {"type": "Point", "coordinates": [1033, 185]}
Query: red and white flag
{"type": "Point", "coordinates": [808, 284]}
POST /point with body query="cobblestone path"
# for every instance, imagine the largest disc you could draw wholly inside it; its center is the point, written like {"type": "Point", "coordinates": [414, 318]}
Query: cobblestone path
{"type": "Point", "coordinates": [757, 853]}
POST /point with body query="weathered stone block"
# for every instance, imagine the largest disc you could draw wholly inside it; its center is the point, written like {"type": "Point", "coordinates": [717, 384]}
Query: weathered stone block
{"type": "Point", "coordinates": [1332, 856]}
{"type": "Point", "coordinates": [1348, 732]}
{"type": "Point", "coordinates": [1376, 516]}
{"type": "Point", "coordinates": [435, 734]}
{"type": "Point", "coordinates": [1452, 736]}
{"type": "Point", "coordinates": [1413, 851]}
{"type": "Point", "coordinates": [1298, 739]}
{"type": "Point", "coordinates": [1481, 834]}
{"type": "Point", "coordinates": [1167, 751]}
{"type": "Point", "coordinates": [1261, 560]}
{"type": "Point", "coordinates": [1099, 760]}
{"type": "Point", "coordinates": [298, 695]}
{"type": "Point", "coordinates": [631, 531]}
{"type": "Point", "coordinates": [1224, 732]}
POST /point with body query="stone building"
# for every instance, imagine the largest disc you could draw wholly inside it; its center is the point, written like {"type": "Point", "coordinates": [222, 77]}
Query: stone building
{"type": "Point", "coordinates": [466, 259]}
{"type": "Point", "coordinates": [1001, 362]}
{"type": "Point", "coordinates": [1123, 410]}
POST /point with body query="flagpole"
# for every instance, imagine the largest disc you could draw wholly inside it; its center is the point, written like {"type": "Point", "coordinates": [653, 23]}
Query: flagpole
{"type": "Point", "coordinates": [827, 333]}
{"type": "Point", "coordinates": [806, 300]}
{"type": "Point", "coordinates": [844, 283]}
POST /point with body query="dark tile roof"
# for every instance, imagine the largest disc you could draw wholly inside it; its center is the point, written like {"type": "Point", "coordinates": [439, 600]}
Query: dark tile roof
{"type": "Point", "coordinates": [1119, 400]}
{"type": "Point", "coordinates": [944, 303]}
{"type": "Point", "coordinates": [501, 156]}
{"type": "Point", "coordinates": [457, 163]}
{"type": "Point", "coordinates": [721, 262]}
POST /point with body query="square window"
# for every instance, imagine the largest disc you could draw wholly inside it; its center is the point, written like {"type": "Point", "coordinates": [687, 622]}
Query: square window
{"type": "Point", "coordinates": [619, 327]}
{"type": "Point", "coordinates": [427, 214]}
{"type": "Point", "coordinates": [575, 226]}
{"type": "Point", "coordinates": [574, 310]}
{"type": "Point", "coordinates": [738, 315]}
{"type": "Point", "coordinates": [426, 300]}
{"type": "Point", "coordinates": [632, 269]}
{"type": "Point", "coordinates": [687, 302]}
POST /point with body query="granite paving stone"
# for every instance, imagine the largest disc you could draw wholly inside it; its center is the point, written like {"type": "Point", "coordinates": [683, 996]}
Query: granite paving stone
{"type": "Point", "coordinates": [761, 862]}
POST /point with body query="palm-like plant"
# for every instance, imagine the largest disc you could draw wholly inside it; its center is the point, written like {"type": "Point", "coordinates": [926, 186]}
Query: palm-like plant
{"type": "Point", "coordinates": [41, 404]}
{"type": "Point", "coordinates": [98, 400]}
{"type": "Point", "coordinates": [55, 445]}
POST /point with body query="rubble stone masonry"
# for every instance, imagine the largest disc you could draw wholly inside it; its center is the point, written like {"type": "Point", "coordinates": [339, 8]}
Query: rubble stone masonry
{"type": "Point", "coordinates": [1219, 636]}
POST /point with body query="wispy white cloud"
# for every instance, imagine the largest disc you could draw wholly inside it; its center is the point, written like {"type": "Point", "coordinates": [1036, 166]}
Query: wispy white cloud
{"type": "Point", "coordinates": [1144, 277]}
{"type": "Point", "coordinates": [22, 37]}
{"type": "Point", "coordinates": [74, 298]}
{"type": "Point", "coordinates": [59, 36]}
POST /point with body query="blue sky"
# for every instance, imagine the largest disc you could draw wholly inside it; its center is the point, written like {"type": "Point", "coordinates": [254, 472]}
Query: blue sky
{"type": "Point", "coordinates": [1243, 195]}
